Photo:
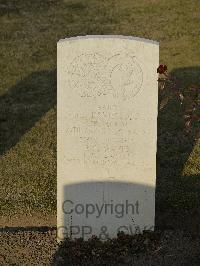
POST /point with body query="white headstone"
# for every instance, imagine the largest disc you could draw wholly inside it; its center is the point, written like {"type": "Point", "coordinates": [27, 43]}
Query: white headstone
{"type": "Point", "coordinates": [106, 135]}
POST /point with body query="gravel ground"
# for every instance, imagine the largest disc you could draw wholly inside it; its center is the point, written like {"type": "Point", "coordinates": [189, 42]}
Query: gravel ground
{"type": "Point", "coordinates": [38, 246]}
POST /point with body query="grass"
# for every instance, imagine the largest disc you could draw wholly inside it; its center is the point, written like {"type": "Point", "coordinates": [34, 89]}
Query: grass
{"type": "Point", "coordinates": [29, 32]}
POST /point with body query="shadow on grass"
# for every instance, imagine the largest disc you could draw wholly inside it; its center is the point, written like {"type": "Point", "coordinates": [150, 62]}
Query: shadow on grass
{"type": "Point", "coordinates": [24, 104]}
{"type": "Point", "coordinates": [177, 196]}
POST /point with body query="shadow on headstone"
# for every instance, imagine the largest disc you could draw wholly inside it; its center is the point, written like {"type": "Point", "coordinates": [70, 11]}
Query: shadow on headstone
{"type": "Point", "coordinates": [125, 218]}
{"type": "Point", "coordinates": [177, 196]}
{"type": "Point", "coordinates": [24, 104]}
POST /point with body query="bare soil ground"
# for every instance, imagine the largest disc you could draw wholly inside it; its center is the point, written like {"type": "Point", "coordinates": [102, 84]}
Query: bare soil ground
{"type": "Point", "coordinates": [39, 247]}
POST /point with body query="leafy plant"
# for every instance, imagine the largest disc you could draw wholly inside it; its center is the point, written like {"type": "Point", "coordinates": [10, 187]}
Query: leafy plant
{"type": "Point", "coordinates": [189, 99]}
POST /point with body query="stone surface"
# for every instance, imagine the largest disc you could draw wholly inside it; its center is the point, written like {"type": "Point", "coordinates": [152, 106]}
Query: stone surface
{"type": "Point", "coordinates": [106, 135]}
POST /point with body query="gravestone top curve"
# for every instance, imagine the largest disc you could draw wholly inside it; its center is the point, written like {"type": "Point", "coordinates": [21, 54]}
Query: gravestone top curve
{"type": "Point", "coordinates": [125, 37]}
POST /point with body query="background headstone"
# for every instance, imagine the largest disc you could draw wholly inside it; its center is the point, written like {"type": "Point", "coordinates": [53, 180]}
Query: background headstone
{"type": "Point", "coordinates": [106, 135]}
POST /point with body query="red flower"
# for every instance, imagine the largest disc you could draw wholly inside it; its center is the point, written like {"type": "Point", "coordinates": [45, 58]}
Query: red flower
{"type": "Point", "coordinates": [162, 69]}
